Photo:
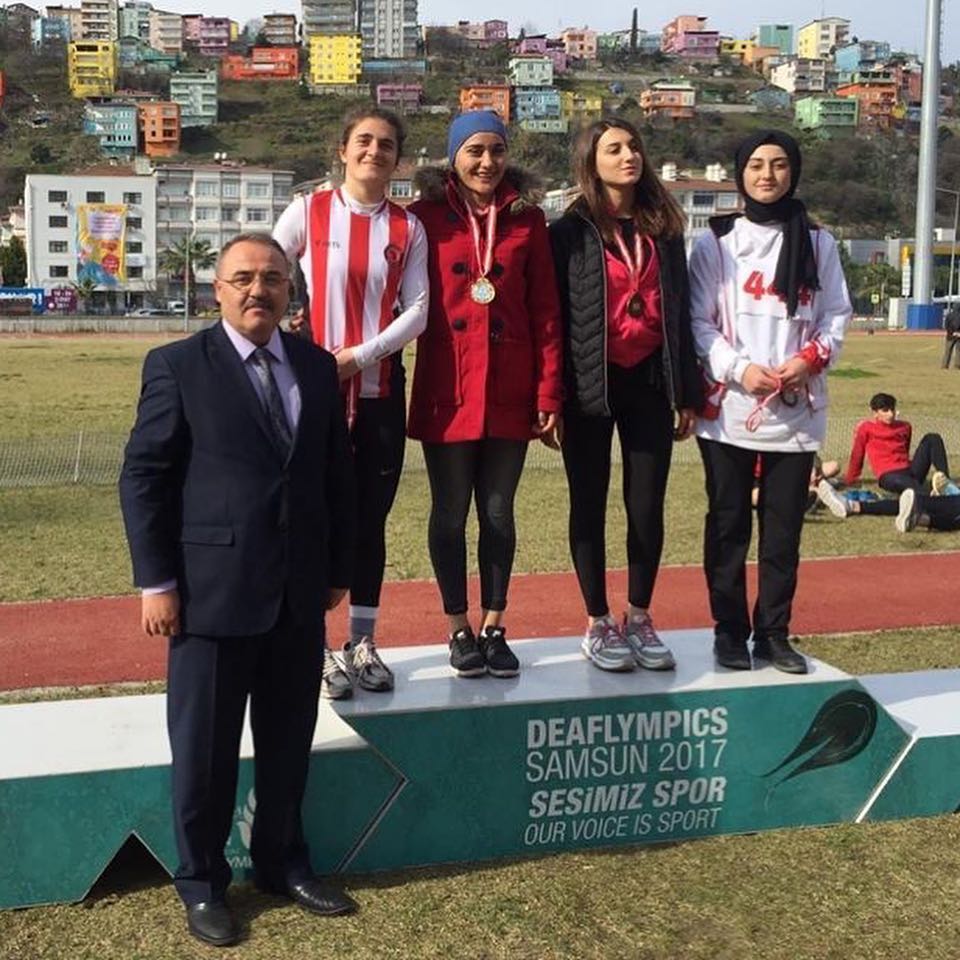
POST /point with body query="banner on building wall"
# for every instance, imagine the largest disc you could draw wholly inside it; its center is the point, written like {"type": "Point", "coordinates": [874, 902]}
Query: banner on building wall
{"type": "Point", "coordinates": [101, 230]}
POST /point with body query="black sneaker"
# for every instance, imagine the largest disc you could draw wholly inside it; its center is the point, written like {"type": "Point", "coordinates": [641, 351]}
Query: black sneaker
{"type": "Point", "coordinates": [780, 652]}
{"type": "Point", "coordinates": [501, 661]}
{"type": "Point", "coordinates": [465, 656]}
{"type": "Point", "coordinates": [731, 652]}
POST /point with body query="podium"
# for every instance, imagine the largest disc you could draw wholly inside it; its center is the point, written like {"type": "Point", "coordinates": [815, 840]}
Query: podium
{"type": "Point", "coordinates": [448, 769]}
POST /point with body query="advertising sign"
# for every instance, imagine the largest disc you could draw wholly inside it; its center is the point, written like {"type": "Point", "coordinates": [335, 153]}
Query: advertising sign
{"type": "Point", "coordinates": [101, 232]}
{"type": "Point", "coordinates": [21, 301]}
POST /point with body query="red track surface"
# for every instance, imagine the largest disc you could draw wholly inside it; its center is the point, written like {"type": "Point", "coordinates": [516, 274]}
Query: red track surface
{"type": "Point", "coordinates": [78, 642]}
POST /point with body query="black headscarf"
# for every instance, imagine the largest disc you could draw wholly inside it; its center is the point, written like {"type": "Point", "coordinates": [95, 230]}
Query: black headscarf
{"type": "Point", "coordinates": [796, 265]}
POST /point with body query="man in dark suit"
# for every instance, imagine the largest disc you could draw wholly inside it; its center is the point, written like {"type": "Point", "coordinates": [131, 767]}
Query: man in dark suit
{"type": "Point", "coordinates": [237, 502]}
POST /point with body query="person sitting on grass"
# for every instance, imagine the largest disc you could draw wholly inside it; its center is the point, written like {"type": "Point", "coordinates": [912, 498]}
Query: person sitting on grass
{"type": "Point", "coordinates": [885, 442]}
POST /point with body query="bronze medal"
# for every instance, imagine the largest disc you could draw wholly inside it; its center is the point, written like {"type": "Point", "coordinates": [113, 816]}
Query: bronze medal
{"type": "Point", "coordinates": [482, 291]}
{"type": "Point", "coordinates": [635, 306]}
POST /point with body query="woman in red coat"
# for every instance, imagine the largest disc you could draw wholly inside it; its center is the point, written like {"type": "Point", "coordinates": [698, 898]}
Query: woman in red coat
{"type": "Point", "coordinates": [487, 377]}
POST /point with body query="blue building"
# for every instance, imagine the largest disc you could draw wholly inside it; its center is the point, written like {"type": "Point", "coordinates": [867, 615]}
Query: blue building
{"type": "Point", "coordinates": [771, 98]}
{"type": "Point", "coordinates": [777, 35]}
{"type": "Point", "coordinates": [862, 55]}
{"type": "Point", "coordinates": [536, 103]}
{"type": "Point", "coordinates": [114, 124]}
{"type": "Point", "coordinates": [50, 30]}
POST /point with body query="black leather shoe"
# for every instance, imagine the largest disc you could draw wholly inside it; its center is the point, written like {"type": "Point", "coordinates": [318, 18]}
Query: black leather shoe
{"type": "Point", "coordinates": [212, 922]}
{"type": "Point", "coordinates": [320, 898]}
{"type": "Point", "coordinates": [780, 652]}
{"type": "Point", "coordinates": [730, 652]}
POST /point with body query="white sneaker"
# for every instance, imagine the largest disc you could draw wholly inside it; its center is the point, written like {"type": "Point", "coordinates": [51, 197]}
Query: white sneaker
{"type": "Point", "coordinates": [334, 682]}
{"type": "Point", "coordinates": [648, 649]}
{"type": "Point", "coordinates": [603, 645]}
{"type": "Point", "coordinates": [835, 502]}
{"type": "Point", "coordinates": [364, 666]}
{"type": "Point", "coordinates": [942, 486]}
{"type": "Point", "coordinates": [907, 517]}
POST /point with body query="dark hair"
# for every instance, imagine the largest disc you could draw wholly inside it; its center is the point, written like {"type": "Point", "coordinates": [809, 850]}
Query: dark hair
{"type": "Point", "coordinates": [654, 210]}
{"type": "Point", "coordinates": [254, 236]}
{"type": "Point", "coordinates": [883, 401]}
{"type": "Point", "coordinates": [376, 113]}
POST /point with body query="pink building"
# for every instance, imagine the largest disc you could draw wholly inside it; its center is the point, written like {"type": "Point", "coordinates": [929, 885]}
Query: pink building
{"type": "Point", "coordinates": [402, 97]}
{"type": "Point", "coordinates": [540, 45]}
{"type": "Point", "coordinates": [214, 36]}
{"type": "Point", "coordinates": [687, 37]}
{"type": "Point", "coordinates": [536, 43]}
{"type": "Point", "coordinates": [580, 43]}
{"type": "Point", "coordinates": [495, 31]}
{"type": "Point", "coordinates": [191, 27]}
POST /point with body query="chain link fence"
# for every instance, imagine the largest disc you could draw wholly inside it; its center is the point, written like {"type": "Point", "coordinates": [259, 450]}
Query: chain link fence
{"type": "Point", "coordinates": [95, 458]}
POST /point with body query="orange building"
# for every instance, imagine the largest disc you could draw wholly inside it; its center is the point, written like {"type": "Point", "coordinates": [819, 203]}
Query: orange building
{"type": "Point", "coordinates": [159, 122]}
{"type": "Point", "coordinates": [264, 63]}
{"type": "Point", "coordinates": [665, 99]}
{"type": "Point", "coordinates": [486, 96]}
{"type": "Point", "coordinates": [877, 97]}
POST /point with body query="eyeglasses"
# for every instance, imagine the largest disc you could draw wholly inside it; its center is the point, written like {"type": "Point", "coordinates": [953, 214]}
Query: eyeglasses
{"type": "Point", "coordinates": [242, 282]}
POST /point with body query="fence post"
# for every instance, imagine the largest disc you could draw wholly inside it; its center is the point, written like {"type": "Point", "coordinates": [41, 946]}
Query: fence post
{"type": "Point", "coordinates": [76, 462]}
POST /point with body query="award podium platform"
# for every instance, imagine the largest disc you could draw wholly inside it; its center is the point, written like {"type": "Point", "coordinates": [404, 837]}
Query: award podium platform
{"type": "Point", "coordinates": [445, 769]}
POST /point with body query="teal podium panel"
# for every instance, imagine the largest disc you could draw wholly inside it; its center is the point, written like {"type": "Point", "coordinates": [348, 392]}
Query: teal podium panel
{"type": "Point", "coordinates": [445, 769]}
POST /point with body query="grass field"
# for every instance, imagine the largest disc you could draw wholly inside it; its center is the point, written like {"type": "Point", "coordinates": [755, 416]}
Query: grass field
{"type": "Point", "coordinates": [878, 891]}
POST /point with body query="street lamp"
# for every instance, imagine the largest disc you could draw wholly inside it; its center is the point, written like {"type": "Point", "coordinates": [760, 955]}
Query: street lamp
{"type": "Point", "coordinates": [953, 245]}
{"type": "Point", "coordinates": [186, 282]}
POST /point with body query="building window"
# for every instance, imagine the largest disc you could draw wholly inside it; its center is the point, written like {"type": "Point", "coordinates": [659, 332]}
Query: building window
{"type": "Point", "coordinates": [57, 221]}
{"type": "Point", "coordinates": [231, 213]}
{"type": "Point", "coordinates": [57, 246]}
{"type": "Point", "coordinates": [207, 188]}
{"type": "Point", "coordinates": [258, 190]}
{"type": "Point", "coordinates": [133, 198]}
{"type": "Point", "coordinates": [59, 271]}
{"type": "Point", "coordinates": [95, 196]}
{"type": "Point", "coordinates": [135, 223]}
{"type": "Point", "coordinates": [208, 213]}
{"type": "Point", "coordinates": [134, 246]}
{"type": "Point", "coordinates": [56, 196]}
{"type": "Point", "coordinates": [256, 215]}
{"type": "Point", "coordinates": [231, 188]}
{"type": "Point", "coordinates": [135, 273]}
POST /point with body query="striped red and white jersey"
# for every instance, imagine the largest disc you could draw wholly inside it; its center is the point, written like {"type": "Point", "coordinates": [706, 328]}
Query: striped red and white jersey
{"type": "Point", "coordinates": [366, 273]}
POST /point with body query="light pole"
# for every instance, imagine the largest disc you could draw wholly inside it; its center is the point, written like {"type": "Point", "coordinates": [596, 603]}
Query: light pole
{"type": "Point", "coordinates": [953, 245]}
{"type": "Point", "coordinates": [186, 283]}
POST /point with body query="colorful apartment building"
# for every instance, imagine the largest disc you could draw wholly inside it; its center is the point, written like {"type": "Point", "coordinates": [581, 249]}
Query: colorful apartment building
{"type": "Point", "coordinates": [530, 71]}
{"type": "Point", "coordinates": [486, 96]}
{"type": "Point", "coordinates": [280, 29]}
{"type": "Point", "coordinates": [72, 16]}
{"type": "Point", "coordinates": [876, 92]}
{"type": "Point", "coordinates": [830, 114]}
{"type": "Point", "coordinates": [735, 49]}
{"type": "Point", "coordinates": [402, 97]}
{"type": "Point", "coordinates": [196, 93]}
{"type": "Point", "coordinates": [580, 108]}
{"type": "Point", "coordinates": [99, 20]}
{"type": "Point", "coordinates": [159, 127]}
{"type": "Point", "coordinates": [861, 55]}
{"type": "Point", "coordinates": [818, 39]}
{"type": "Point", "coordinates": [535, 103]}
{"type": "Point", "coordinates": [479, 35]}
{"type": "Point", "coordinates": [335, 59]}
{"type": "Point", "coordinates": [263, 63]}
{"type": "Point", "coordinates": [800, 75]}
{"type": "Point", "coordinates": [579, 43]}
{"type": "Point", "coordinates": [92, 67]}
{"type": "Point", "coordinates": [47, 30]}
{"type": "Point", "coordinates": [675, 100]}
{"type": "Point", "coordinates": [166, 31]}
{"type": "Point", "coordinates": [215, 35]}
{"type": "Point", "coordinates": [779, 35]}
{"type": "Point", "coordinates": [114, 124]}
{"type": "Point", "coordinates": [687, 37]}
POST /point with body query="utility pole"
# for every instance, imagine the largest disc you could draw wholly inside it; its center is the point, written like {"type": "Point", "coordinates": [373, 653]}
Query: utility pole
{"type": "Point", "coordinates": [927, 174]}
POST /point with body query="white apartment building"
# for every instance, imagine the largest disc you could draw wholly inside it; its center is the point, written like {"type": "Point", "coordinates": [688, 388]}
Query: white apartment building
{"type": "Point", "coordinates": [52, 205]}
{"type": "Point", "coordinates": [328, 16]}
{"type": "Point", "coordinates": [215, 202]}
{"type": "Point", "coordinates": [800, 75]}
{"type": "Point", "coordinates": [389, 28]}
{"type": "Point", "coordinates": [99, 20]}
{"type": "Point", "coordinates": [196, 93]}
{"type": "Point", "coordinates": [166, 31]}
{"type": "Point", "coordinates": [135, 19]}
{"type": "Point", "coordinates": [701, 196]}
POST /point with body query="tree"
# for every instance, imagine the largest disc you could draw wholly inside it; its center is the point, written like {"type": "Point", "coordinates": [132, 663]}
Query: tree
{"type": "Point", "coordinates": [198, 253]}
{"type": "Point", "coordinates": [85, 289]}
{"type": "Point", "coordinates": [633, 33]}
{"type": "Point", "coordinates": [13, 263]}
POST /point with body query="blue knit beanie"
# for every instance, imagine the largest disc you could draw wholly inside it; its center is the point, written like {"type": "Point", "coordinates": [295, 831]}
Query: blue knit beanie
{"type": "Point", "coordinates": [469, 123]}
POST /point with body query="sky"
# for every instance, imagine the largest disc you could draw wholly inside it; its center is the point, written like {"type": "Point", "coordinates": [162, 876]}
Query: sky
{"type": "Point", "coordinates": [901, 22]}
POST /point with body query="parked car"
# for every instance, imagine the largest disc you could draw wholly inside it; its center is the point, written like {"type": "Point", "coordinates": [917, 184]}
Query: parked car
{"type": "Point", "coordinates": [149, 312]}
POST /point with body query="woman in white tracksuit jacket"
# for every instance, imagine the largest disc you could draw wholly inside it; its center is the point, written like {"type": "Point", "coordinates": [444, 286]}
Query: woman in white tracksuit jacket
{"type": "Point", "coordinates": [769, 305]}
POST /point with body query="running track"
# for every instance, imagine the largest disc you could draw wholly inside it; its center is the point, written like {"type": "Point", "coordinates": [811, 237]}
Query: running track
{"type": "Point", "coordinates": [93, 641]}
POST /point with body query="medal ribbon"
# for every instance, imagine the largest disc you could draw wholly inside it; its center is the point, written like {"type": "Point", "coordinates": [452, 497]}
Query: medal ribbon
{"type": "Point", "coordinates": [485, 262]}
{"type": "Point", "coordinates": [634, 263]}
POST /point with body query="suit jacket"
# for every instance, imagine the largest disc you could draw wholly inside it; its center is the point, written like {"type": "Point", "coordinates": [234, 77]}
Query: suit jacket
{"type": "Point", "coordinates": [208, 499]}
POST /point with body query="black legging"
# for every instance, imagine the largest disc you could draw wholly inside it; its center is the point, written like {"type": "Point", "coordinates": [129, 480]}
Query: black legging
{"type": "Point", "coordinates": [488, 470]}
{"type": "Point", "coordinates": [644, 421]}
{"type": "Point", "coordinates": [930, 452]}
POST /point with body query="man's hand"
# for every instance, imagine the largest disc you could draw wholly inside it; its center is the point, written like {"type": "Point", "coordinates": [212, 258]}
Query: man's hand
{"type": "Point", "coordinates": [160, 613]}
{"type": "Point", "coordinates": [297, 321]}
{"type": "Point", "coordinates": [759, 380]}
{"type": "Point", "coordinates": [347, 366]}
{"type": "Point", "coordinates": [686, 418]}
{"type": "Point", "coordinates": [334, 596]}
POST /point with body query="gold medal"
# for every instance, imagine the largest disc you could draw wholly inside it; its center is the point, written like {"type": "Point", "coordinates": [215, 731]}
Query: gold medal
{"type": "Point", "coordinates": [635, 306]}
{"type": "Point", "coordinates": [482, 291]}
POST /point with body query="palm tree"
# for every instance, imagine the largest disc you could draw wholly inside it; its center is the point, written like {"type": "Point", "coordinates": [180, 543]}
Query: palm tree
{"type": "Point", "coordinates": [85, 289]}
{"type": "Point", "coordinates": [189, 250]}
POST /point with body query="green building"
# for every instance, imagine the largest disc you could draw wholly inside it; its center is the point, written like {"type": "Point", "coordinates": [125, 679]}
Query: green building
{"type": "Point", "coordinates": [827, 113]}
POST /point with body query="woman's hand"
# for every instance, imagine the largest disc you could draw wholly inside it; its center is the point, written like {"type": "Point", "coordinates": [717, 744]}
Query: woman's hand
{"type": "Point", "coordinates": [793, 374]}
{"type": "Point", "coordinates": [549, 428]}
{"type": "Point", "coordinates": [347, 366]}
{"type": "Point", "coordinates": [759, 380]}
{"type": "Point", "coordinates": [686, 418]}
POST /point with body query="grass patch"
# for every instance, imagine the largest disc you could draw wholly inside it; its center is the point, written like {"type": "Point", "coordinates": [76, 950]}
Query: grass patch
{"type": "Point", "coordinates": [852, 373]}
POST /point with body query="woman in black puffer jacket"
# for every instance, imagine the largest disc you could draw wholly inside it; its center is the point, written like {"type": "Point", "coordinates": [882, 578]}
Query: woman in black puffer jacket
{"type": "Point", "coordinates": [629, 363]}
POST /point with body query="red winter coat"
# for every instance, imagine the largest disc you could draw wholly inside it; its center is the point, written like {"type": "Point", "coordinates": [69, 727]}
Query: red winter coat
{"type": "Point", "coordinates": [485, 370]}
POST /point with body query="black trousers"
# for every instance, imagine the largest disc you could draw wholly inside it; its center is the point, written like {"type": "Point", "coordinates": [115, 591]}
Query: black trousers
{"type": "Point", "coordinates": [930, 452]}
{"type": "Point", "coordinates": [944, 512]}
{"type": "Point", "coordinates": [208, 682]}
{"type": "Point", "coordinates": [641, 413]}
{"type": "Point", "coordinates": [784, 482]}
{"type": "Point", "coordinates": [951, 348]}
{"type": "Point", "coordinates": [488, 471]}
{"type": "Point", "coordinates": [378, 438]}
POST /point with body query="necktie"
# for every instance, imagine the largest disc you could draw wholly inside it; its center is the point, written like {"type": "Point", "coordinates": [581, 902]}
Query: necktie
{"type": "Point", "coordinates": [272, 403]}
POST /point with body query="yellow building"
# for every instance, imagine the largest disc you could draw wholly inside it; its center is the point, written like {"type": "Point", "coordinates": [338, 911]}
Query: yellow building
{"type": "Point", "coordinates": [735, 49]}
{"type": "Point", "coordinates": [92, 67]}
{"type": "Point", "coordinates": [816, 39]}
{"type": "Point", "coordinates": [580, 107]}
{"type": "Point", "coordinates": [335, 59]}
